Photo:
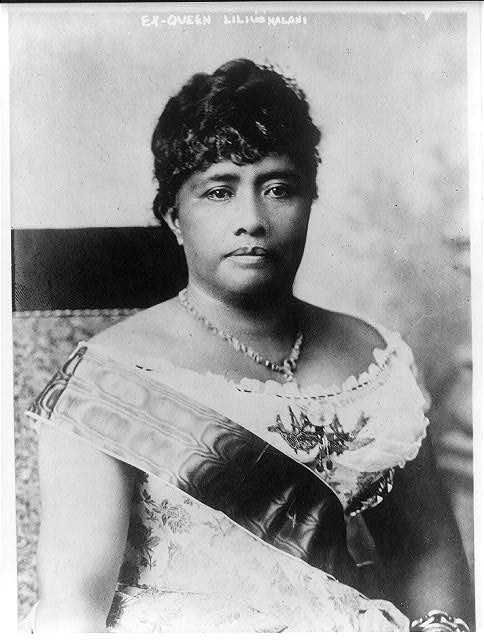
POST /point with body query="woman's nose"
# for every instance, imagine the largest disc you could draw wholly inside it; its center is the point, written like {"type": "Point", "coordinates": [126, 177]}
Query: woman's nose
{"type": "Point", "coordinates": [250, 216]}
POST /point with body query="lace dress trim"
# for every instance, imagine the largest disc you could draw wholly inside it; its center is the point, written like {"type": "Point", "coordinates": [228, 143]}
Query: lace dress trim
{"type": "Point", "coordinates": [374, 375]}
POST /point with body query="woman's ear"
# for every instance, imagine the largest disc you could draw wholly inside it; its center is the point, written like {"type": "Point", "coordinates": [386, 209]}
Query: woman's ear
{"type": "Point", "coordinates": [172, 220]}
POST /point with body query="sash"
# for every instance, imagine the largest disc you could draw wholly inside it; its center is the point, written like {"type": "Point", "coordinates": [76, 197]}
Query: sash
{"type": "Point", "coordinates": [137, 419]}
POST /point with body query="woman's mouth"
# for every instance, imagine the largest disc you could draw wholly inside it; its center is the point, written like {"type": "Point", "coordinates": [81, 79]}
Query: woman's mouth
{"type": "Point", "coordinates": [249, 251]}
{"type": "Point", "coordinates": [250, 255]}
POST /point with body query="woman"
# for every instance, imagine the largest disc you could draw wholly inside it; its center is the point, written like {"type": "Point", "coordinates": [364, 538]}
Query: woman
{"type": "Point", "coordinates": [204, 464]}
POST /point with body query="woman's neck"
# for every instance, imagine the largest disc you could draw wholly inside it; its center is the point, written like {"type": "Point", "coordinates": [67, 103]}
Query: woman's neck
{"type": "Point", "coordinates": [257, 317]}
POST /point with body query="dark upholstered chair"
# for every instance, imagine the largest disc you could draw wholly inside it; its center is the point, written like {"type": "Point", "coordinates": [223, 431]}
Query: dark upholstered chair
{"type": "Point", "coordinates": [68, 285]}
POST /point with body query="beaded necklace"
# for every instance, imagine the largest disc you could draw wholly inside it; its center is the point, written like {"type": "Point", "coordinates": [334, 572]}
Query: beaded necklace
{"type": "Point", "coordinates": [287, 367]}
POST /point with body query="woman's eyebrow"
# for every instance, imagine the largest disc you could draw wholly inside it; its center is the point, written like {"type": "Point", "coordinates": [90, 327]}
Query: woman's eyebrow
{"type": "Point", "coordinates": [279, 174]}
{"type": "Point", "coordinates": [220, 177]}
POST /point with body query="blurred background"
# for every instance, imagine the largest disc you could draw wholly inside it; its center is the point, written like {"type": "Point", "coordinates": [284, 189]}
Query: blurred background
{"type": "Point", "coordinates": [389, 234]}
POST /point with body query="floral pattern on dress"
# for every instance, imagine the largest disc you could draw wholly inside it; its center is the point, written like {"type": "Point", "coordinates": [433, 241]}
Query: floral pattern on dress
{"type": "Point", "coordinates": [207, 573]}
{"type": "Point", "coordinates": [175, 517]}
{"type": "Point", "coordinates": [152, 522]}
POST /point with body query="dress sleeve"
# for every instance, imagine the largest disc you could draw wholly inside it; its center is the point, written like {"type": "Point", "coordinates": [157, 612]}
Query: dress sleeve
{"type": "Point", "coordinates": [405, 353]}
{"type": "Point", "coordinates": [396, 427]}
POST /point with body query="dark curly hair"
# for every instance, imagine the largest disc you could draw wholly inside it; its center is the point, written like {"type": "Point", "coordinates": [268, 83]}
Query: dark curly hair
{"type": "Point", "coordinates": [242, 112]}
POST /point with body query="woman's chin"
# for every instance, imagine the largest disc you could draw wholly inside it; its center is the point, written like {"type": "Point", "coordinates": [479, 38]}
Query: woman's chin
{"type": "Point", "coordinates": [256, 287]}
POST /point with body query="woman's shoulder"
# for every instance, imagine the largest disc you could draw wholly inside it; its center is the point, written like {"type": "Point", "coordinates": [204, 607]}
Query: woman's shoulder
{"type": "Point", "coordinates": [343, 335]}
{"type": "Point", "coordinates": [150, 331]}
{"type": "Point", "coordinates": [350, 346]}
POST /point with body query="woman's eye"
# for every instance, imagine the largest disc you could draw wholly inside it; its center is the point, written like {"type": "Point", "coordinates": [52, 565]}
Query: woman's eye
{"type": "Point", "coordinates": [279, 191]}
{"type": "Point", "coordinates": [219, 194]}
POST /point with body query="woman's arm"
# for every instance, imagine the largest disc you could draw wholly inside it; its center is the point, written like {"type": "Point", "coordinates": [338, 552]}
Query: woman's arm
{"type": "Point", "coordinates": [419, 543]}
{"type": "Point", "coordinates": [85, 499]}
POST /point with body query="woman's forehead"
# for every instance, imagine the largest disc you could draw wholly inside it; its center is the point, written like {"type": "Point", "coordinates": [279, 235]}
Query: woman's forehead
{"type": "Point", "coordinates": [268, 165]}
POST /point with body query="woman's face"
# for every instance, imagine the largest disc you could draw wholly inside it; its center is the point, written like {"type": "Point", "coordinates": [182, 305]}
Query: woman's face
{"type": "Point", "coordinates": [243, 227]}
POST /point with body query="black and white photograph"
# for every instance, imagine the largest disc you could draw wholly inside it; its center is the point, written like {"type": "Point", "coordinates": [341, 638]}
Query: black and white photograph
{"type": "Point", "coordinates": [242, 317]}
